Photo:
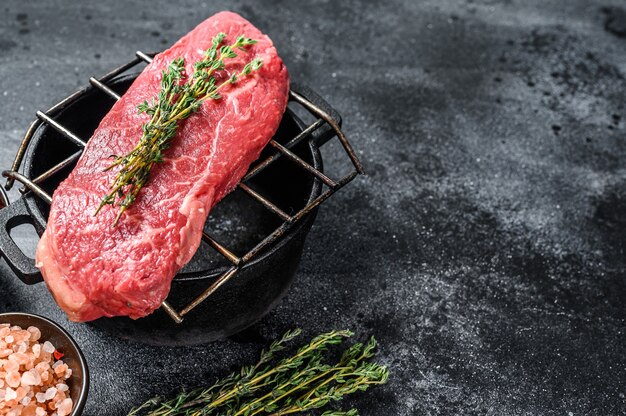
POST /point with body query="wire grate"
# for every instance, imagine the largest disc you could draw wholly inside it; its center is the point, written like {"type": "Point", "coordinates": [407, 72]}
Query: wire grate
{"type": "Point", "coordinates": [281, 150]}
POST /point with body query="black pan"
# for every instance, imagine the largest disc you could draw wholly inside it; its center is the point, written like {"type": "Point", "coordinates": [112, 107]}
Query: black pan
{"type": "Point", "coordinates": [237, 222]}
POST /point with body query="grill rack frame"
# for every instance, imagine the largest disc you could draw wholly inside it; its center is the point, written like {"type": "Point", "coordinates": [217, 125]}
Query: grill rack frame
{"type": "Point", "coordinates": [322, 118]}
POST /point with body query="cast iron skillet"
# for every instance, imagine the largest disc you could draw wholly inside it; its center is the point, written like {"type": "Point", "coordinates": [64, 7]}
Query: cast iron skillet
{"type": "Point", "coordinates": [237, 222]}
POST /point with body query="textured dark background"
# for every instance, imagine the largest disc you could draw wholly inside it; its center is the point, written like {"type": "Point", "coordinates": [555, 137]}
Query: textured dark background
{"type": "Point", "coordinates": [485, 249]}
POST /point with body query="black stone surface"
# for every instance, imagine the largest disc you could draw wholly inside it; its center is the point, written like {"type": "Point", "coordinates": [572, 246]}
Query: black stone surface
{"type": "Point", "coordinates": [485, 250]}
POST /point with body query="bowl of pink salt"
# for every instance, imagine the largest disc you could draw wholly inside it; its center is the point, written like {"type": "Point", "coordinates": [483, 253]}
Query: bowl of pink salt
{"type": "Point", "coordinates": [42, 370]}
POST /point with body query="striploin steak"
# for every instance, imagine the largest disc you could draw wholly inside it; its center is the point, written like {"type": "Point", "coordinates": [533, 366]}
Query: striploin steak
{"type": "Point", "coordinates": [94, 269]}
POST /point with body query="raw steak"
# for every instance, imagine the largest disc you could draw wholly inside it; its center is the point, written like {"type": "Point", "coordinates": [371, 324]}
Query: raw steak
{"type": "Point", "coordinates": [95, 270]}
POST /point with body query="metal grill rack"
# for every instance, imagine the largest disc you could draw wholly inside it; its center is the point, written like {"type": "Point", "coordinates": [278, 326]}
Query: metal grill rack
{"type": "Point", "coordinates": [281, 150]}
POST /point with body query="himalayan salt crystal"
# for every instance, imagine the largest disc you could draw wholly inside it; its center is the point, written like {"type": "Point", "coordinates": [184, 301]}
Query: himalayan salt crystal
{"type": "Point", "coordinates": [48, 347]}
{"type": "Point", "coordinates": [31, 378]}
{"type": "Point", "coordinates": [45, 357]}
{"type": "Point", "coordinates": [20, 357]}
{"type": "Point", "coordinates": [50, 393]}
{"type": "Point", "coordinates": [22, 348]}
{"type": "Point", "coordinates": [11, 404]}
{"type": "Point", "coordinates": [68, 373]}
{"type": "Point", "coordinates": [5, 353]}
{"type": "Point", "coordinates": [62, 387]}
{"type": "Point", "coordinates": [11, 366]}
{"type": "Point", "coordinates": [40, 397]}
{"type": "Point", "coordinates": [40, 411]}
{"type": "Point", "coordinates": [25, 401]}
{"type": "Point", "coordinates": [13, 379]}
{"type": "Point", "coordinates": [37, 350]}
{"type": "Point", "coordinates": [60, 369]}
{"type": "Point", "coordinates": [29, 410]}
{"type": "Point", "coordinates": [43, 366]}
{"type": "Point", "coordinates": [10, 394]}
{"type": "Point", "coordinates": [21, 393]}
{"type": "Point", "coordinates": [35, 333]}
{"type": "Point", "coordinates": [59, 397]}
{"type": "Point", "coordinates": [21, 335]}
{"type": "Point", "coordinates": [65, 408]}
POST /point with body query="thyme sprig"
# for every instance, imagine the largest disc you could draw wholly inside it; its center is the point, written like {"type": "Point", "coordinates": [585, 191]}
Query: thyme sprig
{"type": "Point", "coordinates": [299, 383]}
{"type": "Point", "coordinates": [179, 97]}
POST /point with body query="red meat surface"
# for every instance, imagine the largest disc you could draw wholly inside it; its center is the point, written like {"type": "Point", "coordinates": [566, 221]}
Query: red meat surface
{"type": "Point", "coordinates": [94, 269]}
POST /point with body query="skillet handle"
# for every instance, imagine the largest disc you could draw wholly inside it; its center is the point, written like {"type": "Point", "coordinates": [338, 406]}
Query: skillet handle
{"type": "Point", "coordinates": [324, 133]}
{"type": "Point", "coordinates": [23, 266]}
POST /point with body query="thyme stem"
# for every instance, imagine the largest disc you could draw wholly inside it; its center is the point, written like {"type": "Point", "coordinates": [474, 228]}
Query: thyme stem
{"type": "Point", "coordinates": [180, 96]}
{"type": "Point", "coordinates": [300, 383]}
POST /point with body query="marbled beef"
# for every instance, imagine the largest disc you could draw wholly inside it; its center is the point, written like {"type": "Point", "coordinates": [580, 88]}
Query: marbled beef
{"type": "Point", "coordinates": [94, 269]}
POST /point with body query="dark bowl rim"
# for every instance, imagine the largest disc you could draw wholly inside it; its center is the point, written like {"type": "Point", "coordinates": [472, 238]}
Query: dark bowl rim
{"type": "Point", "coordinates": [84, 388]}
{"type": "Point", "coordinates": [314, 192]}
